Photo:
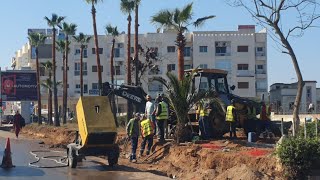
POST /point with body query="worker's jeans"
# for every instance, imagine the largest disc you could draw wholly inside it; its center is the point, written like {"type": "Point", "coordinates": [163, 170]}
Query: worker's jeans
{"type": "Point", "coordinates": [153, 119]}
{"type": "Point", "coordinates": [232, 129]}
{"type": "Point", "coordinates": [134, 144]}
{"type": "Point", "coordinates": [149, 140]}
{"type": "Point", "coordinates": [161, 123]}
{"type": "Point", "coordinates": [203, 127]}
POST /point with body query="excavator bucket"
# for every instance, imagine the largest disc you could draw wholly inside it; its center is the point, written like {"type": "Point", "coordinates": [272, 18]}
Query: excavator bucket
{"type": "Point", "coordinates": [96, 122]}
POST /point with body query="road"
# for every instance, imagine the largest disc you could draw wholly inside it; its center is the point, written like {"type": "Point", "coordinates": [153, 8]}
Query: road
{"type": "Point", "coordinates": [93, 168]}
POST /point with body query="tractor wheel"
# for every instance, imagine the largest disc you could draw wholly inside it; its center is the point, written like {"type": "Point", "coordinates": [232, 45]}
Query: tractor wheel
{"type": "Point", "coordinates": [113, 156]}
{"type": "Point", "coordinates": [72, 158]}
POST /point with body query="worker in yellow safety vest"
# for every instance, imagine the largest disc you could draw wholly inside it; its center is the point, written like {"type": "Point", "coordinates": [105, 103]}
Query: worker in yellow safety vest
{"type": "Point", "coordinates": [204, 123]}
{"type": "Point", "coordinates": [251, 113]}
{"type": "Point", "coordinates": [198, 109]}
{"type": "Point", "coordinates": [231, 118]}
{"type": "Point", "coordinates": [147, 127]}
{"type": "Point", "coordinates": [162, 115]}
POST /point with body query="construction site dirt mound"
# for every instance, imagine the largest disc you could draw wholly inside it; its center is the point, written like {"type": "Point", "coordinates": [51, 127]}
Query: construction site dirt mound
{"type": "Point", "coordinates": [218, 159]}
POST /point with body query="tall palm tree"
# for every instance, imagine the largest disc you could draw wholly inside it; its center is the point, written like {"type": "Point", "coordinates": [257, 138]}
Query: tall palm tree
{"type": "Point", "coordinates": [83, 40]}
{"type": "Point", "coordinates": [53, 23]}
{"type": "Point", "coordinates": [136, 40]}
{"type": "Point", "coordinates": [93, 12]}
{"type": "Point", "coordinates": [179, 20]}
{"type": "Point", "coordinates": [68, 29]}
{"type": "Point", "coordinates": [113, 31]}
{"type": "Point", "coordinates": [127, 6]}
{"type": "Point", "coordinates": [49, 85]}
{"type": "Point", "coordinates": [62, 46]}
{"type": "Point", "coordinates": [37, 39]}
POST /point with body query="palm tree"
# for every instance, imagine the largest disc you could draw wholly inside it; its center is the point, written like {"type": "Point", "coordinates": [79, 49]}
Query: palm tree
{"type": "Point", "coordinates": [179, 20]}
{"type": "Point", "coordinates": [37, 39]}
{"type": "Point", "coordinates": [53, 23]}
{"type": "Point", "coordinates": [182, 96]}
{"type": "Point", "coordinates": [136, 40]}
{"type": "Point", "coordinates": [49, 85]}
{"type": "Point", "coordinates": [113, 31]}
{"type": "Point", "coordinates": [62, 46]}
{"type": "Point", "coordinates": [127, 6]}
{"type": "Point", "coordinates": [68, 29]}
{"type": "Point", "coordinates": [93, 11]}
{"type": "Point", "coordinates": [82, 40]}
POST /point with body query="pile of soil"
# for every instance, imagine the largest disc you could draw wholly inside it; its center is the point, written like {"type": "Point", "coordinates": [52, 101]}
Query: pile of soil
{"type": "Point", "coordinates": [218, 159]}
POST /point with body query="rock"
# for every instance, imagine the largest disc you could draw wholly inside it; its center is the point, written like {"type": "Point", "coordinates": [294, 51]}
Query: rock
{"type": "Point", "coordinates": [41, 142]}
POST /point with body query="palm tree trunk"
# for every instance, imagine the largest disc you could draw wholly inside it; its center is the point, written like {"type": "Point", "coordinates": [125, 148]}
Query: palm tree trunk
{"type": "Point", "coordinates": [129, 104]}
{"type": "Point", "coordinates": [81, 71]}
{"type": "Point", "coordinates": [297, 102]}
{"type": "Point", "coordinates": [38, 87]}
{"type": "Point", "coordinates": [65, 82]}
{"type": "Point", "coordinates": [50, 101]}
{"type": "Point", "coordinates": [97, 47]}
{"type": "Point", "coordinates": [113, 103]}
{"type": "Point", "coordinates": [181, 43]}
{"type": "Point", "coordinates": [55, 91]}
{"type": "Point", "coordinates": [136, 42]}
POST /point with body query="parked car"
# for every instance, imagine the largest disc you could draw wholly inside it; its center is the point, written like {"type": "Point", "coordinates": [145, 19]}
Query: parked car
{"type": "Point", "coordinates": [7, 119]}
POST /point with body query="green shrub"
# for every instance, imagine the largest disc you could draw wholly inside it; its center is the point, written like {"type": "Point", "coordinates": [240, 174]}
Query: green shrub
{"type": "Point", "coordinates": [311, 130]}
{"type": "Point", "coordinates": [299, 156]}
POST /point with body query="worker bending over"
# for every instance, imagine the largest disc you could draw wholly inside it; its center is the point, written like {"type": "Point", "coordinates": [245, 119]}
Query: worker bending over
{"type": "Point", "coordinates": [133, 134]}
{"type": "Point", "coordinates": [147, 127]}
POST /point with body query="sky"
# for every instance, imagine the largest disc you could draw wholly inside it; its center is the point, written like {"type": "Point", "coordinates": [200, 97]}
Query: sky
{"type": "Point", "coordinates": [20, 15]}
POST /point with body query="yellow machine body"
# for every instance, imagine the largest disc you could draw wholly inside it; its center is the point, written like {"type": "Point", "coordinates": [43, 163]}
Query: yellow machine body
{"type": "Point", "coordinates": [97, 127]}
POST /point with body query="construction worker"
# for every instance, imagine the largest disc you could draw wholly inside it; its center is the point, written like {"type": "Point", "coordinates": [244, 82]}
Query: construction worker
{"type": "Point", "coordinates": [265, 120]}
{"type": "Point", "coordinates": [251, 112]}
{"type": "Point", "coordinates": [149, 111]}
{"type": "Point", "coordinates": [198, 108]}
{"type": "Point", "coordinates": [133, 132]}
{"type": "Point", "coordinates": [147, 127]}
{"type": "Point", "coordinates": [162, 116]}
{"type": "Point", "coordinates": [204, 124]}
{"type": "Point", "coordinates": [231, 118]}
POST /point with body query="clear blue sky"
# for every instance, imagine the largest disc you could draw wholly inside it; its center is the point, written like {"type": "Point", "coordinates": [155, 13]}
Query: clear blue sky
{"type": "Point", "coordinates": [19, 15]}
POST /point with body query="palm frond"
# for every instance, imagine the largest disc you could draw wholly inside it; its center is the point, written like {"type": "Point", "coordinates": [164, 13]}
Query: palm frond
{"type": "Point", "coordinates": [61, 45]}
{"type": "Point", "coordinates": [93, 1]}
{"type": "Point", "coordinates": [36, 39]}
{"type": "Point", "coordinates": [200, 21]}
{"type": "Point", "coordinates": [164, 18]}
{"type": "Point", "coordinates": [186, 13]}
{"type": "Point", "coordinates": [176, 16]}
{"type": "Point", "coordinates": [68, 29]}
{"type": "Point", "coordinates": [127, 6]}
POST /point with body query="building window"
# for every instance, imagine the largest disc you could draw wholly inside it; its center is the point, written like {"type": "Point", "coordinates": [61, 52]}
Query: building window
{"type": "Point", "coordinates": [203, 49]}
{"type": "Point", "coordinates": [171, 67]}
{"type": "Point", "coordinates": [95, 68]}
{"type": "Point", "coordinates": [171, 49]}
{"type": "Point", "coordinates": [203, 66]}
{"type": "Point", "coordinates": [187, 66]}
{"type": "Point", "coordinates": [260, 67]}
{"type": "Point", "coordinates": [260, 51]}
{"type": "Point", "coordinates": [243, 48]}
{"type": "Point", "coordinates": [116, 52]}
{"type": "Point", "coordinates": [85, 53]}
{"type": "Point", "coordinates": [223, 48]}
{"type": "Point", "coordinates": [63, 68]}
{"type": "Point", "coordinates": [85, 88]}
{"type": "Point", "coordinates": [187, 52]}
{"type": "Point", "coordinates": [243, 66]}
{"type": "Point", "coordinates": [95, 86]}
{"type": "Point", "coordinates": [100, 50]}
{"type": "Point", "coordinates": [77, 69]}
{"type": "Point", "coordinates": [117, 70]}
{"type": "Point", "coordinates": [131, 50]}
{"type": "Point", "coordinates": [77, 86]}
{"type": "Point", "coordinates": [243, 85]}
{"type": "Point", "coordinates": [77, 51]}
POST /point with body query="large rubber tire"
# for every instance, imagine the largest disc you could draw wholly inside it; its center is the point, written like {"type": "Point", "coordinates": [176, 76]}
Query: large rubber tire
{"type": "Point", "coordinates": [72, 158]}
{"type": "Point", "coordinates": [113, 156]}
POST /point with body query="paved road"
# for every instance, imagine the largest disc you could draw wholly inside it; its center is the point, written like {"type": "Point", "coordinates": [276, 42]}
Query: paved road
{"type": "Point", "coordinates": [93, 168]}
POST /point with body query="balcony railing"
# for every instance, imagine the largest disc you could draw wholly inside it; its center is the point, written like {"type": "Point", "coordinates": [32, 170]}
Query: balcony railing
{"type": "Point", "coordinates": [245, 73]}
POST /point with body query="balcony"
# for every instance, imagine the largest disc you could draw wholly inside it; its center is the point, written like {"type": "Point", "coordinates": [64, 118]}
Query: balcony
{"type": "Point", "coordinates": [223, 54]}
{"type": "Point", "coordinates": [245, 73]}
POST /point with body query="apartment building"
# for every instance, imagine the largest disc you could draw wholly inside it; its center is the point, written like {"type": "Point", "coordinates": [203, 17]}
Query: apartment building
{"type": "Point", "coordinates": [243, 53]}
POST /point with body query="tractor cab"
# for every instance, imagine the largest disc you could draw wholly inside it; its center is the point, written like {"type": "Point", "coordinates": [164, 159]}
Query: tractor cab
{"type": "Point", "coordinates": [212, 79]}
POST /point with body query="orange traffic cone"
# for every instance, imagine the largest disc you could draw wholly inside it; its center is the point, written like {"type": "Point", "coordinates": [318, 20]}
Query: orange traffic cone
{"type": "Point", "coordinates": [7, 160]}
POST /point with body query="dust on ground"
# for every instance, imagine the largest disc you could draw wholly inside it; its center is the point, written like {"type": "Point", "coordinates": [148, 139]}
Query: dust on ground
{"type": "Point", "coordinates": [217, 159]}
